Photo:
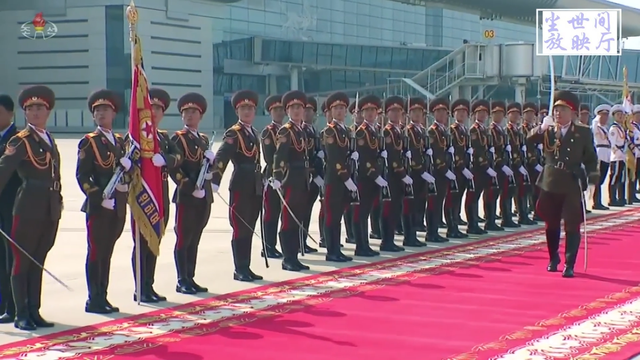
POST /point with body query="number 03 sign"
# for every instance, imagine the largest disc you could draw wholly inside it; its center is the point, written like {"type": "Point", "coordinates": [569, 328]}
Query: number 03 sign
{"type": "Point", "coordinates": [489, 34]}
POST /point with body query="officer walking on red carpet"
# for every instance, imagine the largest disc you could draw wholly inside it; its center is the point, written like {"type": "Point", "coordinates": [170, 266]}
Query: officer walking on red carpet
{"type": "Point", "coordinates": [566, 147]}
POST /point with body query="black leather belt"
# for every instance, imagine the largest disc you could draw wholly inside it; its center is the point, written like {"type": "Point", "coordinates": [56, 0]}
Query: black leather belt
{"type": "Point", "coordinates": [51, 184]}
{"type": "Point", "coordinates": [603, 146]}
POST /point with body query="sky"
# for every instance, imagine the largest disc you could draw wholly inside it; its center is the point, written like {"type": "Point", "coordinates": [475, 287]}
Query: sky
{"type": "Point", "coordinates": [634, 42]}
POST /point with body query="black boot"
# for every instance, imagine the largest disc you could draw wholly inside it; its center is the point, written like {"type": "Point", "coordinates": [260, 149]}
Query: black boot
{"type": "Point", "coordinates": [597, 199]}
{"type": "Point", "coordinates": [374, 220]}
{"type": "Point", "coordinates": [334, 252]}
{"type": "Point", "coordinates": [507, 213]}
{"type": "Point", "coordinates": [622, 196]}
{"type": "Point", "coordinates": [473, 228]}
{"type": "Point", "coordinates": [183, 286]}
{"type": "Point", "coordinates": [553, 244]}
{"type": "Point", "coordinates": [95, 303]}
{"type": "Point", "coordinates": [433, 226]}
{"type": "Point", "coordinates": [7, 306]}
{"type": "Point", "coordinates": [362, 245]}
{"type": "Point", "coordinates": [523, 213]}
{"type": "Point", "coordinates": [22, 320]}
{"type": "Point", "coordinates": [388, 237]}
{"type": "Point", "coordinates": [490, 214]}
{"type": "Point", "coordinates": [452, 226]}
{"type": "Point", "coordinates": [240, 272]}
{"type": "Point", "coordinates": [151, 272]}
{"type": "Point", "coordinates": [410, 233]}
{"type": "Point", "coordinates": [146, 296]}
{"type": "Point", "coordinates": [571, 249]}
{"type": "Point", "coordinates": [614, 201]}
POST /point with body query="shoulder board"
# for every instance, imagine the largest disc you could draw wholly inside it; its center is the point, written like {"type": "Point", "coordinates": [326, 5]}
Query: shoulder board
{"type": "Point", "coordinates": [90, 135]}
{"type": "Point", "coordinates": [181, 132]}
{"type": "Point", "coordinates": [118, 136]}
{"type": "Point", "coordinates": [22, 134]}
{"type": "Point", "coordinates": [582, 125]}
{"type": "Point", "coordinates": [332, 125]}
{"type": "Point", "coordinates": [283, 130]}
{"type": "Point", "coordinates": [232, 132]}
{"type": "Point", "coordinates": [389, 126]}
{"type": "Point", "coordinates": [287, 125]}
{"type": "Point", "coordinates": [235, 127]}
{"type": "Point", "coordinates": [162, 131]}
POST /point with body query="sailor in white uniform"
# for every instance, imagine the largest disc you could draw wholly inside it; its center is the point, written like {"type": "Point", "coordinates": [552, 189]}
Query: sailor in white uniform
{"type": "Point", "coordinates": [618, 168]}
{"type": "Point", "coordinates": [636, 141]}
{"type": "Point", "coordinates": [600, 130]}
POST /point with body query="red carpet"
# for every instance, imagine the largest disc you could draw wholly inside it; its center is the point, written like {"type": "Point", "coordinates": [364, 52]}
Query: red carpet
{"type": "Point", "coordinates": [488, 300]}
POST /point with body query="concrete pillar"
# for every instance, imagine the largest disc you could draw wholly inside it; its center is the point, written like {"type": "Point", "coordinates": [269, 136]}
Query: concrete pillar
{"type": "Point", "coordinates": [272, 84]}
{"type": "Point", "coordinates": [294, 73]}
{"type": "Point", "coordinates": [455, 93]}
{"type": "Point", "coordinates": [465, 92]}
{"type": "Point", "coordinates": [520, 95]}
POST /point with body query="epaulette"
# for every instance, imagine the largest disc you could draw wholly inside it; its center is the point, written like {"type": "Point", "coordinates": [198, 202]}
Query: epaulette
{"type": "Point", "coordinates": [232, 131]}
{"type": "Point", "coordinates": [583, 125]}
{"type": "Point", "coordinates": [236, 127]}
{"type": "Point", "coordinates": [287, 125]}
{"type": "Point", "coordinates": [22, 134]}
{"type": "Point", "coordinates": [331, 125]}
{"type": "Point", "coordinates": [90, 135]}
{"type": "Point", "coordinates": [181, 132]}
{"type": "Point", "coordinates": [162, 131]}
{"type": "Point", "coordinates": [118, 136]}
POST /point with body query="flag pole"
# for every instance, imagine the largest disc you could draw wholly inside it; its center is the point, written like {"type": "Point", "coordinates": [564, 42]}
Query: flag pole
{"type": "Point", "coordinates": [132, 17]}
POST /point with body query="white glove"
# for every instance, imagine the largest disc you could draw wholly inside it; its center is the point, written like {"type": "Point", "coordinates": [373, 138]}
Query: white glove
{"type": "Point", "coordinates": [383, 154]}
{"type": "Point", "coordinates": [158, 160]}
{"type": "Point", "coordinates": [275, 184]}
{"type": "Point", "coordinates": [407, 180]}
{"type": "Point", "coordinates": [122, 187]}
{"type": "Point", "coordinates": [198, 194]}
{"type": "Point", "coordinates": [547, 122]}
{"type": "Point", "coordinates": [636, 151]}
{"type": "Point", "coordinates": [320, 154]}
{"type": "Point", "coordinates": [428, 178]}
{"type": "Point", "coordinates": [538, 168]}
{"type": "Point", "coordinates": [355, 156]}
{"type": "Point", "coordinates": [507, 148]}
{"type": "Point", "coordinates": [522, 170]}
{"type": "Point", "coordinates": [451, 150]}
{"type": "Point", "coordinates": [108, 204]}
{"type": "Point", "coordinates": [470, 151]}
{"type": "Point", "coordinates": [492, 150]}
{"type": "Point", "coordinates": [214, 188]}
{"type": "Point", "coordinates": [350, 185]}
{"type": "Point", "coordinates": [524, 148]}
{"type": "Point", "coordinates": [540, 147]}
{"type": "Point", "coordinates": [506, 170]}
{"type": "Point", "coordinates": [491, 172]}
{"type": "Point", "coordinates": [429, 152]}
{"type": "Point", "coordinates": [467, 174]}
{"type": "Point", "coordinates": [210, 156]}
{"type": "Point", "coordinates": [126, 164]}
{"type": "Point", "coordinates": [319, 181]}
{"type": "Point", "coordinates": [408, 154]}
{"type": "Point", "coordinates": [381, 182]}
{"type": "Point", "coordinates": [450, 175]}
{"type": "Point", "coordinates": [582, 166]}
{"type": "Point", "coordinates": [208, 176]}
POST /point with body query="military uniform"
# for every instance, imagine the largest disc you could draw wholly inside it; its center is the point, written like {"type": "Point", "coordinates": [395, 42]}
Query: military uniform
{"type": "Point", "coordinates": [34, 156]}
{"type": "Point", "coordinates": [348, 213]}
{"type": "Point", "coordinates": [368, 179]}
{"type": "Point", "coordinates": [241, 146]}
{"type": "Point", "coordinates": [566, 150]}
{"type": "Point", "coordinates": [376, 207]}
{"type": "Point", "coordinates": [168, 159]}
{"type": "Point", "coordinates": [483, 173]}
{"type": "Point", "coordinates": [397, 177]}
{"type": "Point", "coordinates": [315, 154]}
{"type": "Point", "coordinates": [271, 207]}
{"type": "Point", "coordinates": [7, 200]}
{"type": "Point", "coordinates": [517, 159]}
{"type": "Point", "coordinates": [413, 209]}
{"type": "Point", "coordinates": [532, 158]}
{"type": "Point", "coordinates": [603, 150]}
{"type": "Point", "coordinates": [461, 164]}
{"type": "Point", "coordinates": [618, 167]}
{"type": "Point", "coordinates": [291, 180]}
{"type": "Point", "coordinates": [633, 183]}
{"type": "Point", "coordinates": [336, 138]}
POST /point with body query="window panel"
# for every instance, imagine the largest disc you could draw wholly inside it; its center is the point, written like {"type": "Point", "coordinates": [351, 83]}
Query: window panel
{"type": "Point", "coordinates": [354, 56]}
{"type": "Point", "coordinates": [239, 13]}
{"type": "Point", "coordinates": [399, 58]}
{"type": "Point", "coordinates": [296, 53]}
{"type": "Point", "coordinates": [384, 58]}
{"type": "Point", "coordinates": [310, 53]}
{"type": "Point", "coordinates": [283, 51]}
{"type": "Point", "coordinates": [369, 56]}
{"type": "Point", "coordinates": [339, 55]}
{"type": "Point", "coordinates": [324, 54]}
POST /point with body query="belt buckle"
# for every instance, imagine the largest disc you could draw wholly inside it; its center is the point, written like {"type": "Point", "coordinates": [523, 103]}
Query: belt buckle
{"type": "Point", "coordinates": [55, 186]}
{"type": "Point", "coordinates": [560, 165]}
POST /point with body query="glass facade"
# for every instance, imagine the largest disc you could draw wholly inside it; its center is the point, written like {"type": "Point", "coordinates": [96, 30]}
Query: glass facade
{"type": "Point", "coordinates": [118, 61]}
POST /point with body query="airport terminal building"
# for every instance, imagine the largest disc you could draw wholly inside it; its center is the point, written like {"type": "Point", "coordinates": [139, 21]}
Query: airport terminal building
{"type": "Point", "coordinates": [216, 47]}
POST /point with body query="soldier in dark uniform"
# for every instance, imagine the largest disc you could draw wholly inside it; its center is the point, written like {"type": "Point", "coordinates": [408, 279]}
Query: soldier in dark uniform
{"type": "Point", "coordinates": [315, 154]}
{"type": "Point", "coordinates": [533, 158]}
{"type": "Point", "coordinates": [369, 179]}
{"type": "Point", "coordinates": [291, 179]}
{"type": "Point", "coordinates": [271, 202]}
{"type": "Point", "coordinates": [543, 112]}
{"type": "Point", "coordinates": [397, 174]}
{"type": "Point", "coordinates": [7, 199]}
{"type": "Point", "coordinates": [357, 119]}
{"type": "Point", "coordinates": [338, 182]}
{"type": "Point", "coordinates": [460, 142]}
{"type": "Point", "coordinates": [34, 156]}
{"type": "Point", "coordinates": [585, 112]}
{"type": "Point", "coordinates": [412, 209]}
{"type": "Point", "coordinates": [518, 150]}
{"type": "Point", "coordinates": [566, 146]}
{"type": "Point", "coordinates": [168, 159]}
{"type": "Point", "coordinates": [193, 205]}
{"type": "Point", "coordinates": [241, 146]}
{"type": "Point", "coordinates": [327, 117]}
{"type": "Point", "coordinates": [483, 173]}
{"type": "Point", "coordinates": [100, 154]}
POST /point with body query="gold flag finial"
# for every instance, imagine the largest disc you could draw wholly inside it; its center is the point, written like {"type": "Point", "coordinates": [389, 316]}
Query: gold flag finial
{"type": "Point", "coordinates": [132, 17]}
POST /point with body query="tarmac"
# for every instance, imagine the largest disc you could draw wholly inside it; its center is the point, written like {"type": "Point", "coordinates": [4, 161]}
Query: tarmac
{"type": "Point", "coordinates": [214, 269]}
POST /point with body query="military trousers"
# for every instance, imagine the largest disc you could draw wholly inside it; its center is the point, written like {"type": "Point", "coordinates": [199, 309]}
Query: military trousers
{"type": "Point", "coordinates": [6, 261]}
{"type": "Point", "coordinates": [191, 219]}
{"type": "Point", "coordinates": [313, 194]}
{"type": "Point", "coordinates": [104, 228]}
{"type": "Point", "coordinates": [291, 233]}
{"type": "Point", "coordinates": [361, 212]}
{"type": "Point", "coordinates": [148, 259]}
{"type": "Point", "coordinates": [336, 200]}
{"type": "Point", "coordinates": [244, 211]}
{"type": "Point", "coordinates": [271, 210]}
{"type": "Point", "coordinates": [617, 181]}
{"type": "Point", "coordinates": [392, 210]}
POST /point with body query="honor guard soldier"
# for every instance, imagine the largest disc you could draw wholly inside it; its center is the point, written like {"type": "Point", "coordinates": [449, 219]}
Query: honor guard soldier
{"type": "Point", "coordinates": [599, 128]}
{"type": "Point", "coordinates": [241, 146]}
{"type": "Point", "coordinates": [462, 161]}
{"type": "Point", "coordinates": [396, 158]}
{"type": "Point", "coordinates": [271, 207]}
{"type": "Point", "coordinates": [583, 117]}
{"type": "Point", "coordinates": [369, 177]}
{"type": "Point", "coordinates": [618, 167]}
{"type": "Point", "coordinates": [543, 112]}
{"type": "Point", "coordinates": [484, 177]}
{"type": "Point", "coordinates": [7, 201]}
{"type": "Point", "coordinates": [193, 205]}
{"type": "Point", "coordinates": [33, 155]}
{"type": "Point", "coordinates": [168, 159]}
{"type": "Point", "coordinates": [315, 154]}
{"type": "Point", "coordinates": [325, 112]}
{"type": "Point", "coordinates": [100, 154]}
{"type": "Point", "coordinates": [327, 117]}
{"type": "Point", "coordinates": [376, 207]}
{"type": "Point", "coordinates": [357, 119]}
{"type": "Point", "coordinates": [416, 134]}
{"type": "Point", "coordinates": [339, 185]}
{"type": "Point", "coordinates": [567, 147]}
{"type": "Point", "coordinates": [635, 123]}
{"type": "Point", "coordinates": [291, 179]}
{"type": "Point", "coordinates": [533, 155]}
{"type": "Point", "coordinates": [518, 150]}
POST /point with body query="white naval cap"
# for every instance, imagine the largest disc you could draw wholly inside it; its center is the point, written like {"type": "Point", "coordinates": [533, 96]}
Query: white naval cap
{"type": "Point", "coordinates": [636, 109]}
{"type": "Point", "coordinates": [601, 108]}
{"type": "Point", "coordinates": [617, 108]}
